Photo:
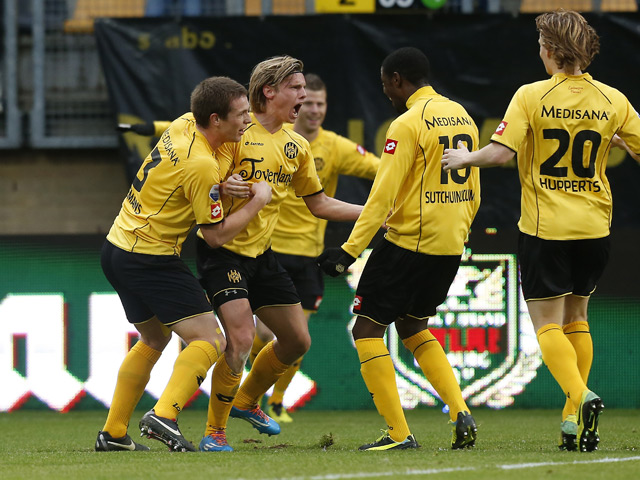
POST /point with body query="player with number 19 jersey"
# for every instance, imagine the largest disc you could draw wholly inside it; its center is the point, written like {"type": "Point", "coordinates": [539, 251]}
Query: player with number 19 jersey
{"type": "Point", "coordinates": [175, 189]}
{"type": "Point", "coordinates": [561, 129]}
{"type": "Point", "coordinates": [431, 210]}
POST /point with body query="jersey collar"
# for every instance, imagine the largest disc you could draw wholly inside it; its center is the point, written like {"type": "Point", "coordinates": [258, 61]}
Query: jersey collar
{"type": "Point", "coordinates": [422, 92]}
{"type": "Point", "coordinates": [561, 76]}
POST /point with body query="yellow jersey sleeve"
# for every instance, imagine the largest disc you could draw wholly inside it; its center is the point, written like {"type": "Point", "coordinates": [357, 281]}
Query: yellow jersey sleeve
{"type": "Point", "coordinates": [202, 189]}
{"type": "Point", "coordinates": [355, 160]}
{"type": "Point", "coordinates": [630, 129]}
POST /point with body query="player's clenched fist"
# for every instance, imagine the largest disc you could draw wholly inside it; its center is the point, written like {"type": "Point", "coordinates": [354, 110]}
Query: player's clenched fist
{"type": "Point", "coordinates": [334, 261]}
{"type": "Point", "coordinates": [261, 190]}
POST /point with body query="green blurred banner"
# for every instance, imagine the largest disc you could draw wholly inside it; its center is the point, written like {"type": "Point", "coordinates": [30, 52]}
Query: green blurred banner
{"type": "Point", "coordinates": [63, 335]}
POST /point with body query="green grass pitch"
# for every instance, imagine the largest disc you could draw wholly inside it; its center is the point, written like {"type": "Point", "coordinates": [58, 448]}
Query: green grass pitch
{"type": "Point", "coordinates": [518, 444]}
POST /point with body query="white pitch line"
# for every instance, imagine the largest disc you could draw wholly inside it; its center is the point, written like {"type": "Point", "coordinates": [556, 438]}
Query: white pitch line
{"type": "Point", "coordinates": [435, 471]}
{"type": "Point", "coordinates": [575, 462]}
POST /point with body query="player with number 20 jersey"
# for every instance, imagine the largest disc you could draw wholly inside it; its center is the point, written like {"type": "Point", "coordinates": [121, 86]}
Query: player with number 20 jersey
{"type": "Point", "coordinates": [562, 129]}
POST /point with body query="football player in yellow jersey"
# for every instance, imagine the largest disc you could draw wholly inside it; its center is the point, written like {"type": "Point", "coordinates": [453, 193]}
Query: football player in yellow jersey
{"type": "Point", "coordinates": [410, 271]}
{"type": "Point", "coordinates": [562, 130]}
{"type": "Point", "coordinates": [176, 188]}
{"type": "Point", "coordinates": [299, 236]}
{"type": "Point", "coordinates": [244, 276]}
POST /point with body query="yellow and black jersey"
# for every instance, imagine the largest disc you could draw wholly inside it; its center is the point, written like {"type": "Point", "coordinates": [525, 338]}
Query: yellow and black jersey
{"type": "Point", "coordinates": [298, 232]}
{"type": "Point", "coordinates": [175, 189]}
{"type": "Point", "coordinates": [284, 160]}
{"type": "Point", "coordinates": [432, 209]}
{"type": "Point", "coordinates": [561, 129]}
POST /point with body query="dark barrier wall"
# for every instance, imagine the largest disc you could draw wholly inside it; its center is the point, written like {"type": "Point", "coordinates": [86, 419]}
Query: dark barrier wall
{"type": "Point", "coordinates": [63, 333]}
{"type": "Point", "coordinates": [151, 66]}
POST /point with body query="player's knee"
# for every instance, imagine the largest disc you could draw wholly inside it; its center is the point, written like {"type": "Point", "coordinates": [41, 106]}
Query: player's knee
{"type": "Point", "coordinates": [157, 342]}
{"type": "Point", "coordinates": [242, 341]}
{"type": "Point", "coordinates": [301, 346]}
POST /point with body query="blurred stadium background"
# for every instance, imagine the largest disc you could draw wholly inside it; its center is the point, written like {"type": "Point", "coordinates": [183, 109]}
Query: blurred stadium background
{"type": "Point", "coordinates": [72, 68]}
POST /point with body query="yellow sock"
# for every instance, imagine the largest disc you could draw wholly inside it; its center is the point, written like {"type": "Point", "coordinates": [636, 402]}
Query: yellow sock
{"type": "Point", "coordinates": [580, 337]}
{"type": "Point", "coordinates": [189, 372]}
{"type": "Point", "coordinates": [560, 357]}
{"type": "Point", "coordinates": [133, 377]}
{"type": "Point", "coordinates": [436, 367]}
{"type": "Point", "coordinates": [283, 382]}
{"type": "Point", "coordinates": [264, 372]}
{"type": "Point", "coordinates": [380, 377]}
{"type": "Point", "coordinates": [224, 387]}
{"type": "Point", "coordinates": [258, 345]}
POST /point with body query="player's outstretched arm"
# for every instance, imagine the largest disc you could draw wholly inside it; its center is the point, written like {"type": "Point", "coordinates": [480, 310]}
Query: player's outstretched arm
{"type": "Point", "coordinates": [220, 233]}
{"type": "Point", "coordinates": [145, 129]}
{"type": "Point", "coordinates": [616, 141]}
{"type": "Point", "coordinates": [491, 155]}
{"type": "Point", "coordinates": [322, 206]}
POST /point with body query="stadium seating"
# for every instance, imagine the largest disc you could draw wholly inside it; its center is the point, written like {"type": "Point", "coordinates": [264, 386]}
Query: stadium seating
{"type": "Point", "coordinates": [539, 6]}
{"type": "Point", "coordinates": [280, 7]}
{"type": "Point", "coordinates": [87, 10]}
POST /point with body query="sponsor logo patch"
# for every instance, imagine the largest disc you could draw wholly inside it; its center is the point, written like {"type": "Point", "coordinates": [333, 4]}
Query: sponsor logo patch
{"type": "Point", "coordinates": [501, 127]}
{"type": "Point", "coordinates": [357, 303]}
{"type": "Point", "coordinates": [216, 210]}
{"type": "Point", "coordinates": [390, 146]}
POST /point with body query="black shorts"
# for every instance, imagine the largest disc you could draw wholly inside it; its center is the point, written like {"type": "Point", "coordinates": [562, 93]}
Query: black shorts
{"type": "Point", "coordinates": [397, 282]}
{"type": "Point", "coordinates": [307, 278]}
{"type": "Point", "coordinates": [226, 276]}
{"type": "Point", "coordinates": [148, 285]}
{"type": "Point", "coordinates": [553, 268]}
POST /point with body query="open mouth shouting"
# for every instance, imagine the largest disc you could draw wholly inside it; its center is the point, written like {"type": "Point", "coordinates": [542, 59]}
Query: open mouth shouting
{"type": "Point", "coordinates": [296, 110]}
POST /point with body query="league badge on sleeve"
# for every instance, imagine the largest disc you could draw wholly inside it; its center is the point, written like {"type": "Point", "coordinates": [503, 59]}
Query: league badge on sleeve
{"type": "Point", "coordinates": [501, 127]}
{"type": "Point", "coordinates": [390, 146]}
{"type": "Point", "coordinates": [214, 193]}
{"type": "Point", "coordinates": [361, 150]}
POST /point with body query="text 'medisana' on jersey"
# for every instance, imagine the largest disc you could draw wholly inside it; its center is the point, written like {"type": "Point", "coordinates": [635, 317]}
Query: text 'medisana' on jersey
{"type": "Point", "coordinates": [561, 129]}
{"type": "Point", "coordinates": [432, 210]}
{"type": "Point", "coordinates": [175, 189]}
